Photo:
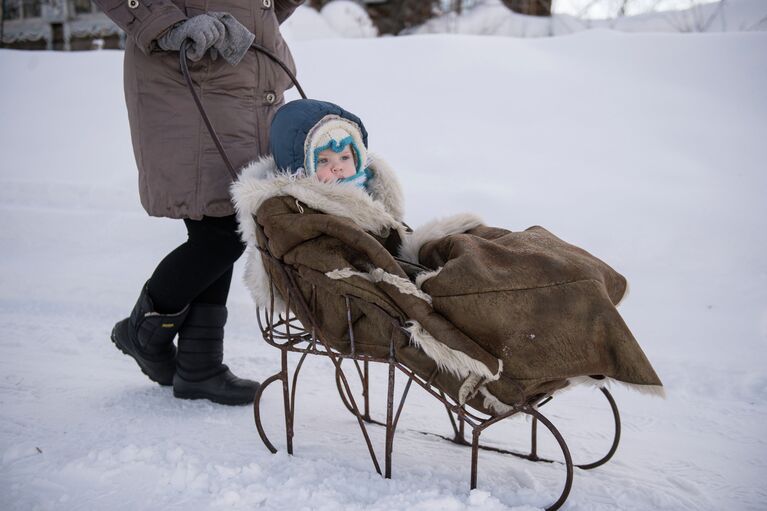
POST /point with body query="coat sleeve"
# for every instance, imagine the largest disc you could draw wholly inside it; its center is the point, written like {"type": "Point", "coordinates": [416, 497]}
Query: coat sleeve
{"type": "Point", "coordinates": [143, 20]}
{"type": "Point", "coordinates": [284, 8]}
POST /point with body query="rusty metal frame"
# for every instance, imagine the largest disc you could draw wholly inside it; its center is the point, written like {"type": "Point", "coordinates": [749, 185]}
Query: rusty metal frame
{"type": "Point", "coordinates": [286, 333]}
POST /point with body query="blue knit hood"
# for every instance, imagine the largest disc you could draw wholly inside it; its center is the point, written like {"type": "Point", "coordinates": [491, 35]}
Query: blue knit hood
{"type": "Point", "coordinates": [291, 125]}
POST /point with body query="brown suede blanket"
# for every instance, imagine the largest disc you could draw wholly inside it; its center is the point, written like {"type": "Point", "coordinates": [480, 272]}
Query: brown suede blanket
{"type": "Point", "coordinates": [493, 317]}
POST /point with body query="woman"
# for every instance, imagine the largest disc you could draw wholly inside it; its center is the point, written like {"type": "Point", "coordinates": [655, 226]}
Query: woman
{"type": "Point", "coordinates": [181, 174]}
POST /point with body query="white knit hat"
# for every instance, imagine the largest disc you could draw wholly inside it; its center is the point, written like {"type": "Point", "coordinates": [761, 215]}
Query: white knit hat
{"type": "Point", "coordinates": [334, 132]}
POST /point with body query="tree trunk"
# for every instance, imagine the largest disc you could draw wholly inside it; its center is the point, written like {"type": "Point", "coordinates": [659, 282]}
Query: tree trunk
{"type": "Point", "coordinates": [529, 7]}
{"type": "Point", "coordinates": [393, 16]}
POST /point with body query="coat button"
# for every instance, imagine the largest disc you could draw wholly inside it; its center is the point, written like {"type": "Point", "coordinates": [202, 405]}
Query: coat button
{"type": "Point", "coordinates": [270, 97]}
{"type": "Point", "coordinates": [267, 4]}
{"type": "Point", "coordinates": [132, 4]}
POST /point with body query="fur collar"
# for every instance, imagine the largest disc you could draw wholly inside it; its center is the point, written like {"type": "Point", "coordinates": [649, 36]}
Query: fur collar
{"type": "Point", "coordinates": [378, 211]}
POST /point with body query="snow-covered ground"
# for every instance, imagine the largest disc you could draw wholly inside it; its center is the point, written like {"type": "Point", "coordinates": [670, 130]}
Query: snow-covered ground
{"type": "Point", "coordinates": [647, 150]}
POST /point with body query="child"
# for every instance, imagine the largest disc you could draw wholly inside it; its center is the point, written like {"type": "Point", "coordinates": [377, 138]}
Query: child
{"type": "Point", "coordinates": [310, 137]}
{"type": "Point", "coordinates": [319, 163]}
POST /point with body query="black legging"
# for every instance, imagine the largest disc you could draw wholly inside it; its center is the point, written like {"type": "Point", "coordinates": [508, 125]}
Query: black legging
{"type": "Point", "coordinates": [200, 269]}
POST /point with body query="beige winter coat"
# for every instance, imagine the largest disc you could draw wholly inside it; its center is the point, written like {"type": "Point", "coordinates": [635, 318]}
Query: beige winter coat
{"type": "Point", "coordinates": [181, 174]}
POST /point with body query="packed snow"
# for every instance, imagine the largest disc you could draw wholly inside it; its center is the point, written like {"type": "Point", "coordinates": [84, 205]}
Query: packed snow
{"type": "Point", "coordinates": [645, 149]}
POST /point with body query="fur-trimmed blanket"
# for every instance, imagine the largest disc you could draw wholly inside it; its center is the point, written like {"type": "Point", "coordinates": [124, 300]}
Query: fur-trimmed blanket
{"type": "Point", "coordinates": [494, 317]}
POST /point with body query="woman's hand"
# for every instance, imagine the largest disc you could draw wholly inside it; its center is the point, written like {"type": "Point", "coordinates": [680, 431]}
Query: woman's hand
{"type": "Point", "coordinates": [218, 30]}
{"type": "Point", "coordinates": [237, 39]}
{"type": "Point", "coordinates": [203, 30]}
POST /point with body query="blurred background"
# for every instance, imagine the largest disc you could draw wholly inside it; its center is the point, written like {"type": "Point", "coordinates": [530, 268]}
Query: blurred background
{"type": "Point", "coordinates": [72, 25]}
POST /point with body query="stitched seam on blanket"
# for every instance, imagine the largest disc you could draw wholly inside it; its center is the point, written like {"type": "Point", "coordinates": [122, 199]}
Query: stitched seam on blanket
{"type": "Point", "coordinates": [451, 295]}
{"type": "Point", "coordinates": [349, 282]}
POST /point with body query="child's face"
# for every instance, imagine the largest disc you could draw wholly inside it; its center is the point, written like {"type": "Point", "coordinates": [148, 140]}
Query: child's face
{"type": "Point", "coordinates": [332, 165]}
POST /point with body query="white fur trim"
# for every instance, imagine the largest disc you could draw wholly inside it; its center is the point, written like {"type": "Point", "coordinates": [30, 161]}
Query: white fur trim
{"type": "Point", "coordinates": [456, 362]}
{"type": "Point", "coordinates": [493, 403]}
{"type": "Point", "coordinates": [247, 195]}
{"type": "Point", "coordinates": [423, 277]}
{"type": "Point", "coordinates": [258, 282]}
{"type": "Point", "coordinates": [384, 186]}
{"type": "Point", "coordinates": [402, 285]}
{"type": "Point", "coordinates": [261, 180]}
{"type": "Point", "coordinates": [436, 229]}
{"type": "Point", "coordinates": [648, 390]}
{"type": "Point", "coordinates": [468, 388]}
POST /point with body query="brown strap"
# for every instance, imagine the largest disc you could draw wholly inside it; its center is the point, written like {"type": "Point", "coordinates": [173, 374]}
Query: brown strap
{"type": "Point", "coordinates": [206, 120]}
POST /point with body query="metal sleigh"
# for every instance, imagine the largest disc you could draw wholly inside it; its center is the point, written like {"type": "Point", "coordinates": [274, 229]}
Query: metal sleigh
{"type": "Point", "coordinates": [285, 332]}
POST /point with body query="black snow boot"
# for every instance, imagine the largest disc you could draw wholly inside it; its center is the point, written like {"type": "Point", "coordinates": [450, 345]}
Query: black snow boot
{"type": "Point", "coordinates": [147, 336]}
{"type": "Point", "coordinates": [200, 372]}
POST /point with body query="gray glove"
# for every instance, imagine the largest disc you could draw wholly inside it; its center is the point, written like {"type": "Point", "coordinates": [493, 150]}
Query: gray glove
{"type": "Point", "coordinates": [237, 39]}
{"type": "Point", "coordinates": [203, 30]}
{"type": "Point", "coordinates": [217, 31]}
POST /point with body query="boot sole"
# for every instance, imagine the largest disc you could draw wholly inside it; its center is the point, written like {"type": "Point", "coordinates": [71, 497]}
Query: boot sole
{"type": "Point", "coordinates": [128, 353]}
{"type": "Point", "coordinates": [215, 399]}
